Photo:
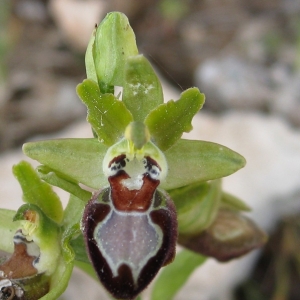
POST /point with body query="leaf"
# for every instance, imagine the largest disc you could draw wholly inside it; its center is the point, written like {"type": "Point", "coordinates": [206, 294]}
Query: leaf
{"type": "Point", "coordinates": [175, 275]}
{"type": "Point", "coordinates": [7, 229]}
{"type": "Point", "coordinates": [51, 177]}
{"type": "Point", "coordinates": [114, 43]}
{"type": "Point", "coordinates": [142, 91]}
{"type": "Point", "coordinates": [37, 192]}
{"type": "Point", "coordinates": [76, 160]}
{"type": "Point", "coordinates": [196, 205]}
{"type": "Point", "coordinates": [168, 121]}
{"type": "Point", "coordinates": [198, 161]}
{"type": "Point", "coordinates": [108, 116]}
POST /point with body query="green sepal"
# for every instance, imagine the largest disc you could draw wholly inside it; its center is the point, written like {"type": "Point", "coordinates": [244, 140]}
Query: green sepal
{"type": "Point", "coordinates": [108, 116]}
{"type": "Point", "coordinates": [48, 175]}
{"type": "Point", "coordinates": [114, 43]}
{"type": "Point", "coordinates": [80, 161]}
{"type": "Point", "coordinates": [198, 161]}
{"type": "Point", "coordinates": [197, 206]}
{"type": "Point", "coordinates": [8, 229]}
{"type": "Point", "coordinates": [142, 91]}
{"type": "Point", "coordinates": [231, 202]}
{"type": "Point", "coordinates": [37, 192]}
{"type": "Point", "coordinates": [89, 59]}
{"type": "Point", "coordinates": [167, 285]}
{"type": "Point", "coordinates": [76, 160]}
{"type": "Point", "coordinates": [168, 121]}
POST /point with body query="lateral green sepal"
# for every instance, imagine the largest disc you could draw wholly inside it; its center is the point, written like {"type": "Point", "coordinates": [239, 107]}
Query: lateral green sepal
{"type": "Point", "coordinates": [76, 160]}
{"type": "Point", "coordinates": [192, 161]}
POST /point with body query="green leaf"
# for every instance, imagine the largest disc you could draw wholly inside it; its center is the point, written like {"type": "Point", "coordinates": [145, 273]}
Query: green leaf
{"type": "Point", "coordinates": [37, 192]}
{"type": "Point", "coordinates": [108, 116]}
{"type": "Point", "coordinates": [114, 43]}
{"type": "Point", "coordinates": [76, 160]}
{"type": "Point", "coordinates": [142, 91]}
{"type": "Point", "coordinates": [89, 59]}
{"type": "Point", "coordinates": [175, 275]}
{"type": "Point", "coordinates": [198, 161]}
{"type": "Point", "coordinates": [168, 121]}
{"type": "Point", "coordinates": [8, 229]}
{"type": "Point", "coordinates": [197, 206]}
{"type": "Point", "coordinates": [48, 175]}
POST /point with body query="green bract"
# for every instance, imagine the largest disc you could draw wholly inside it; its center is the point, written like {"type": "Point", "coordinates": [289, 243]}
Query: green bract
{"type": "Point", "coordinates": [111, 44]}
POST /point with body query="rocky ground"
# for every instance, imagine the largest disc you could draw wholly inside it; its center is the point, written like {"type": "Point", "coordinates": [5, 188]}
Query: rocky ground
{"type": "Point", "coordinates": [244, 56]}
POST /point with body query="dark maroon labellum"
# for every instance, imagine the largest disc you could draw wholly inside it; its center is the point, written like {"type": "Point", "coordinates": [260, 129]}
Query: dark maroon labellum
{"type": "Point", "coordinates": [130, 229]}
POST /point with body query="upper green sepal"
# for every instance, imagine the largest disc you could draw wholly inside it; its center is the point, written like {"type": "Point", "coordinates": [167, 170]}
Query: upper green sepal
{"type": "Point", "coordinates": [37, 192]}
{"type": "Point", "coordinates": [142, 91]}
{"type": "Point", "coordinates": [168, 121]}
{"type": "Point", "coordinates": [114, 42]}
{"type": "Point", "coordinates": [108, 116]}
{"type": "Point", "coordinates": [198, 161]}
{"type": "Point", "coordinates": [76, 160]}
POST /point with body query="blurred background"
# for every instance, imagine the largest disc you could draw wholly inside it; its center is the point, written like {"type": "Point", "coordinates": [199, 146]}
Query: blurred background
{"type": "Point", "coordinates": [244, 55]}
